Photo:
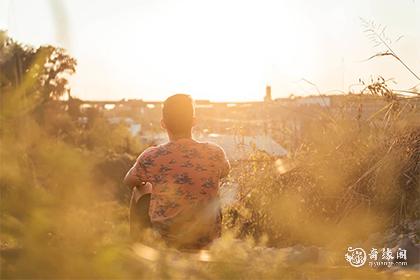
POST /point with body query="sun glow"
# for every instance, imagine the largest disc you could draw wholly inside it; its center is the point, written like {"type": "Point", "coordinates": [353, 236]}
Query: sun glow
{"type": "Point", "coordinates": [217, 52]}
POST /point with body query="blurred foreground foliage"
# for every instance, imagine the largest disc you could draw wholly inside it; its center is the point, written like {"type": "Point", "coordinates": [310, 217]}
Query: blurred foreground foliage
{"type": "Point", "coordinates": [59, 215]}
{"type": "Point", "coordinates": [348, 180]}
{"type": "Point", "coordinates": [64, 211]}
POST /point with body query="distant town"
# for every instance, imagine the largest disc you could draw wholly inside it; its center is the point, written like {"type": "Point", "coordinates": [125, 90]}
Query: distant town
{"type": "Point", "coordinates": [274, 126]}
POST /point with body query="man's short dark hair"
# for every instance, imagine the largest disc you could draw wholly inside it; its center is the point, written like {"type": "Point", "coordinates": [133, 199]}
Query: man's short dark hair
{"type": "Point", "coordinates": [178, 113]}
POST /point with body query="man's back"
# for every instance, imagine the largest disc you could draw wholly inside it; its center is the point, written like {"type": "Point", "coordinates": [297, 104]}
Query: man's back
{"type": "Point", "coordinates": [185, 175]}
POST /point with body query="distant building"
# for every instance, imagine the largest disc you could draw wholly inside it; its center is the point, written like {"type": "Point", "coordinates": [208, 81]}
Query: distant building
{"type": "Point", "coordinates": [267, 97]}
{"type": "Point", "coordinates": [241, 147]}
{"type": "Point", "coordinates": [323, 101]}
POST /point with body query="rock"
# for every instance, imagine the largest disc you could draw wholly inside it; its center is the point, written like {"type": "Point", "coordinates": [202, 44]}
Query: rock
{"type": "Point", "coordinates": [300, 254]}
{"type": "Point", "coordinates": [414, 226]}
{"type": "Point", "coordinates": [413, 250]}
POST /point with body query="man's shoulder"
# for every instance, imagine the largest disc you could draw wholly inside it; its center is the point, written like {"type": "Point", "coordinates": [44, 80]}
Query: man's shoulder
{"type": "Point", "coordinates": [150, 151]}
{"type": "Point", "coordinates": [213, 147]}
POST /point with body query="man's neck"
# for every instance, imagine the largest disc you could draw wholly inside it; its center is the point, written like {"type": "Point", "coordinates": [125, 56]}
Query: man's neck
{"type": "Point", "coordinates": [173, 137]}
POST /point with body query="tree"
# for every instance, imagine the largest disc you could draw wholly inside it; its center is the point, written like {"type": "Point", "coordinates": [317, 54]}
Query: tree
{"type": "Point", "coordinates": [40, 74]}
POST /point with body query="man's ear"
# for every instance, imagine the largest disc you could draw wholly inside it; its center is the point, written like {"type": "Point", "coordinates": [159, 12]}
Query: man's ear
{"type": "Point", "coordinates": [162, 124]}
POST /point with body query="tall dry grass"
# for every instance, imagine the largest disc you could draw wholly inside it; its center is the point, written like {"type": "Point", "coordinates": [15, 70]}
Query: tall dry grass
{"type": "Point", "coordinates": [64, 212]}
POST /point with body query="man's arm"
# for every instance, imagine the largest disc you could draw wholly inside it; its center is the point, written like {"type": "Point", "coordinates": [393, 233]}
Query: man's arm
{"type": "Point", "coordinates": [225, 168]}
{"type": "Point", "coordinates": [131, 179]}
{"type": "Point", "coordinates": [136, 176]}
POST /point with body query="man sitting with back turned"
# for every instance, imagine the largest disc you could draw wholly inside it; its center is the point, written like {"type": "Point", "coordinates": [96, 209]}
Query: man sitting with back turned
{"type": "Point", "coordinates": [185, 176]}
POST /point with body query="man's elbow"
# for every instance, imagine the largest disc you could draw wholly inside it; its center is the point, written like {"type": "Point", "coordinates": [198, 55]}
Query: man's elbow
{"type": "Point", "coordinates": [128, 180]}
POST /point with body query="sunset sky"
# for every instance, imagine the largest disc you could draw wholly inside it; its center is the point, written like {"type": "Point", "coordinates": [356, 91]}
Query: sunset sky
{"type": "Point", "coordinates": [218, 49]}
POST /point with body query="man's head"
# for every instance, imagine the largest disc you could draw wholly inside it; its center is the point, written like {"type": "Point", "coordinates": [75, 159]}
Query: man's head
{"type": "Point", "coordinates": [178, 114]}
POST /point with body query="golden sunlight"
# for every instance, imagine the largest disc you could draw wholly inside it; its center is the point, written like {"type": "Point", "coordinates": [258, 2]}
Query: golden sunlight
{"type": "Point", "coordinates": [219, 139]}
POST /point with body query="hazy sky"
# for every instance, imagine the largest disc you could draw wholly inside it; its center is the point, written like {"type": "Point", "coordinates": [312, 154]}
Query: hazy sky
{"type": "Point", "coordinates": [217, 49]}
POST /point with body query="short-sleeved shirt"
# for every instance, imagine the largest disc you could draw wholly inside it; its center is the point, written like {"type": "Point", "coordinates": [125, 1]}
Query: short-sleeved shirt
{"type": "Point", "coordinates": [185, 177]}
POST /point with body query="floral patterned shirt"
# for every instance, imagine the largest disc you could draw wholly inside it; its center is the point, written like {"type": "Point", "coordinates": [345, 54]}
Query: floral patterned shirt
{"type": "Point", "coordinates": [185, 177]}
